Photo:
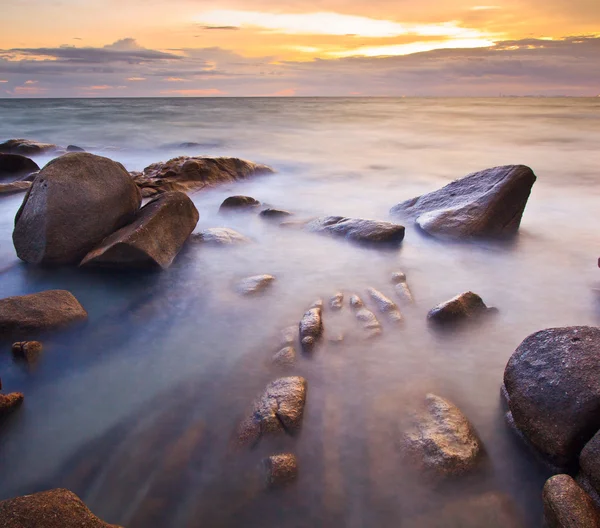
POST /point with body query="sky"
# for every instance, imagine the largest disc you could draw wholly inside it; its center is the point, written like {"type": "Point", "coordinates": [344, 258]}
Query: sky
{"type": "Point", "coordinates": [196, 48]}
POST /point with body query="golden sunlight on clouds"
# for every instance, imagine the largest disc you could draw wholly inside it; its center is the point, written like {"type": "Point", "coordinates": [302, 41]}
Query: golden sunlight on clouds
{"type": "Point", "coordinates": [413, 47]}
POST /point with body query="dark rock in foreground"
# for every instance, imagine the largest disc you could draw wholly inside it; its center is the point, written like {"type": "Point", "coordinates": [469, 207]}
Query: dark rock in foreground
{"type": "Point", "coordinates": [311, 328]}
{"type": "Point", "coordinates": [8, 404]}
{"type": "Point", "coordinates": [14, 187]}
{"type": "Point", "coordinates": [239, 203]}
{"type": "Point", "coordinates": [443, 440]}
{"type": "Point", "coordinates": [15, 166]}
{"type": "Point", "coordinates": [74, 203]}
{"type": "Point", "coordinates": [28, 148]}
{"type": "Point", "coordinates": [553, 387]}
{"type": "Point", "coordinates": [27, 351]}
{"type": "Point", "coordinates": [566, 505]}
{"type": "Point", "coordinates": [279, 410]}
{"type": "Point", "coordinates": [358, 229]}
{"type": "Point", "coordinates": [489, 203]}
{"type": "Point", "coordinates": [461, 307]}
{"type": "Point", "coordinates": [153, 239]}
{"type": "Point", "coordinates": [280, 470]}
{"type": "Point", "coordinates": [39, 312]}
{"type": "Point", "coordinates": [57, 508]}
{"type": "Point", "coordinates": [193, 173]}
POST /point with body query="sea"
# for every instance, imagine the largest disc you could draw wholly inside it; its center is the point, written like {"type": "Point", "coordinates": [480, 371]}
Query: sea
{"type": "Point", "coordinates": [137, 410]}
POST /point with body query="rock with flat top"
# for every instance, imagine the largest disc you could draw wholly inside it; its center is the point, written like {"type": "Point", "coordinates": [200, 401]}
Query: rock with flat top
{"type": "Point", "coordinates": [221, 236]}
{"type": "Point", "coordinates": [14, 187]}
{"type": "Point", "coordinates": [358, 229]}
{"type": "Point", "coordinates": [464, 306]}
{"type": "Point", "coordinates": [566, 505]}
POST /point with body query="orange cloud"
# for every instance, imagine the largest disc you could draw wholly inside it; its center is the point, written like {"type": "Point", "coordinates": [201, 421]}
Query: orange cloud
{"type": "Point", "coordinates": [29, 90]}
{"type": "Point", "coordinates": [30, 82]}
{"type": "Point", "coordinates": [194, 93]}
{"type": "Point", "coordinates": [175, 79]}
{"type": "Point", "coordinates": [288, 92]}
{"type": "Point", "coordinates": [136, 79]}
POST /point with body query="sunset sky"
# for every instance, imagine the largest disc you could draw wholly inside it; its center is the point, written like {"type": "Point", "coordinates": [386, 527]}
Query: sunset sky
{"type": "Point", "coordinates": [124, 48]}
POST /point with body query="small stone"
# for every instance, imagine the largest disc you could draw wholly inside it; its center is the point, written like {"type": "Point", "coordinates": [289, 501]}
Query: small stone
{"type": "Point", "coordinates": [317, 304]}
{"type": "Point", "coordinates": [289, 335]}
{"type": "Point", "coordinates": [462, 306]}
{"type": "Point", "coordinates": [398, 277]}
{"type": "Point", "coordinates": [311, 329]}
{"type": "Point", "coordinates": [285, 357]}
{"type": "Point", "coordinates": [280, 470]}
{"type": "Point", "coordinates": [10, 402]}
{"type": "Point", "coordinates": [254, 285]}
{"type": "Point", "coordinates": [337, 301]}
{"type": "Point", "coordinates": [239, 203]}
{"type": "Point", "coordinates": [566, 505]}
{"type": "Point", "coordinates": [401, 286]}
{"type": "Point", "coordinates": [386, 306]}
{"type": "Point", "coordinates": [336, 339]}
{"type": "Point", "coordinates": [356, 302]}
{"type": "Point", "coordinates": [28, 351]}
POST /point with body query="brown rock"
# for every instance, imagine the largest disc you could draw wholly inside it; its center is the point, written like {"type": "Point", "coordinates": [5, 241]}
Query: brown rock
{"type": "Point", "coordinates": [402, 288]}
{"type": "Point", "coordinates": [254, 285]}
{"type": "Point", "coordinates": [57, 508]}
{"type": "Point", "coordinates": [358, 229]}
{"type": "Point", "coordinates": [15, 166]}
{"type": "Point", "coordinates": [153, 239]}
{"type": "Point", "coordinates": [28, 351]}
{"type": "Point", "coordinates": [462, 306]}
{"type": "Point", "coordinates": [221, 236]}
{"type": "Point", "coordinates": [280, 470]}
{"type": "Point", "coordinates": [14, 187]}
{"type": "Point", "coordinates": [337, 301]}
{"type": "Point", "coordinates": [566, 505]}
{"type": "Point", "coordinates": [385, 305]}
{"type": "Point", "coordinates": [274, 213]}
{"type": "Point", "coordinates": [589, 461]}
{"type": "Point", "coordinates": [311, 329]}
{"type": "Point", "coordinates": [8, 404]}
{"type": "Point", "coordinates": [27, 147]}
{"type": "Point", "coordinates": [285, 357]}
{"type": "Point", "coordinates": [239, 203]}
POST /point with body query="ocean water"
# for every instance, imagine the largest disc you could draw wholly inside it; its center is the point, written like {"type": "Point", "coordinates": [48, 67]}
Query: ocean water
{"type": "Point", "coordinates": [135, 411]}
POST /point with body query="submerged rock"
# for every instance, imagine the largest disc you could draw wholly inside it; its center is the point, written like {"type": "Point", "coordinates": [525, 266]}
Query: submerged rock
{"type": "Point", "coordinates": [356, 302]}
{"type": "Point", "coordinates": [369, 322]}
{"type": "Point", "coordinates": [8, 404]}
{"type": "Point", "coordinates": [58, 508]}
{"type": "Point", "coordinates": [311, 328]}
{"type": "Point", "coordinates": [279, 410]}
{"type": "Point", "coordinates": [463, 306]}
{"type": "Point", "coordinates": [401, 286]}
{"type": "Point", "coordinates": [280, 470]}
{"type": "Point", "coordinates": [566, 505]}
{"type": "Point", "coordinates": [39, 312]}
{"type": "Point", "coordinates": [358, 229]}
{"type": "Point", "coordinates": [274, 213]}
{"type": "Point", "coordinates": [193, 173]}
{"type": "Point", "coordinates": [15, 166]}
{"type": "Point", "coordinates": [153, 239]}
{"type": "Point", "coordinates": [443, 439]}
{"type": "Point", "coordinates": [285, 357]}
{"type": "Point", "coordinates": [337, 301]}
{"type": "Point", "coordinates": [553, 386]}
{"type": "Point", "coordinates": [385, 305]}
{"type": "Point", "coordinates": [221, 236]}
{"type": "Point", "coordinates": [28, 351]}
{"type": "Point", "coordinates": [74, 203]}
{"type": "Point", "coordinates": [14, 187]}
{"type": "Point", "coordinates": [27, 147]}
{"type": "Point", "coordinates": [483, 204]}
{"type": "Point", "coordinates": [253, 285]}
{"type": "Point", "coordinates": [239, 203]}
{"type": "Point", "coordinates": [289, 335]}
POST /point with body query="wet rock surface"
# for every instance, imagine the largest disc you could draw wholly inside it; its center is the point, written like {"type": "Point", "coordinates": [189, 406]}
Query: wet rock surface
{"type": "Point", "coordinates": [358, 229]}
{"type": "Point", "coordinates": [153, 239]}
{"type": "Point", "coordinates": [57, 508]}
{"type": "Point", "coordinates": [311, 328]}
{"type": "Point", "coordinates": [27, 147]}
{"type": "Point", "coordinates": [14, 166]}
{"type": "Point", "coordinates": [566, 505]}
{"type": "Point", "coordinates": [385, 305]}
{"type": "Point", "coordinates": [75, 201]}
{"type": "Point", "coordinates": [221, 236]}
{"type": "Point", "coordinates": [280, 470]}
{"type": "Point", "coordinates": [39, 312]}
{"type": "Point", "coordinates": [254, 285]}
{"type": "Point", "coordinates": [8, 404]}
{"type": "Point", "coordinates": [489, 203]}
{"type": "Point", "coordinates": [464, 306]}
{"type": "Point", "coordinates": [442, 439]}
{"type": "Point", "coordinates": [27, 351]}
{"type": "Point", "coordinates": [553, 387]}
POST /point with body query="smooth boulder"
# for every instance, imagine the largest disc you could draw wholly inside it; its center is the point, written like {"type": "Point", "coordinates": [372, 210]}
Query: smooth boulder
{"type": "Point", "coordinates": [239, 203]}
{"type": "Point", "coordinates": [74, 203]}
{"type": "Point", "coordinates": [552, 383]}
{"type": "Point", "coordinates": [153, 239]}
{"type": "Point", "coordinates": [27, 147]}
{"type": "Point", "coordinates": [58, 508]}
{"type": "Point", "coordinates": [489, 203]}
{"type": "Point", "coordinates": [566, 505]}
{"type": "Point", "coordinates": [464, 306]}
{"type": "Point", "coordinates": [39, 312]}
{"type": "Point", "coordinates": [221, 236]}
{"type": "Point", "coordinates": [15, 166]}
{"type": "Point", "coordinates": [358, 229]}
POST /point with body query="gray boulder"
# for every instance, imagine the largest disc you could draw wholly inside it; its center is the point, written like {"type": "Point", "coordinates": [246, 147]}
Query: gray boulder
{"type": "Point", "coordinates": [489, 203]}
{"type": "Point", "coordinates": [14, 166]}
{"type": "Point", "coordinates": [358, 229]}
{"type": "Point", "coordinates": [27, 147]}
{"type": "Point", "coordinates": [566, 505]}
{"type": "Point", "coordinates": [552, 383]}
{"type": "Point", "coordinates": [153, 239]}
{"type": "Point", "coordinates": [75, 201]}
{"type": "Point", "coordinates": [274, 214]}
{"type": "Point", "coordinates": [464, 306]}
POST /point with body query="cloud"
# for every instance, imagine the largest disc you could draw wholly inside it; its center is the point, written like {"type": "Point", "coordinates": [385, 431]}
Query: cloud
{"type": "Point", "coordinates": [287, 92]}
{"type": "Point", "coordinates": [221, 28]}
{"type": "Point", "coordinates": [30, 82]}
{"type": "Point", "coordinates": [136, 79]}
{"type": "Point", "coordinates": [175, 79]}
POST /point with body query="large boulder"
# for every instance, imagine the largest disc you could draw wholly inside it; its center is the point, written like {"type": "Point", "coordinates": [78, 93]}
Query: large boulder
{"type": "Point", "coordinates": [58, 508]}
{"type": "Point", "coordinates": [358, 229]}
{"type": "Point", "coordinates": [552, 383]}
{"type": "Point", "coordinates": [74, 203]}
{"type": "Point", "coordinates": [193, 173]}
{"type": "Point", "coordinates": [153, 239]}
{"type": "Point", "coordinates": [27, 147]}
{"type": "Point", "coordinates": [442, 439]}
{"type": "Point", "coordinates": [566, 505]}
{"type": "Point", "coordinates": [489, 203]}
{"type": "Point", "coordinates": [15, 166]}
{"type": "Point", "coordinates": [39, 312]}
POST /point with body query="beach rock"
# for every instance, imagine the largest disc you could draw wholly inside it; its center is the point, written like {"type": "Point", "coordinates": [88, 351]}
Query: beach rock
{"type": "Point", "coordinates": [401, 286]}
{"type": "Point", "coordinates": [337, 301]}
{"type": "Point", "coordinates": [489, 203]}
{"type": "Point", "coordinates": [8, 404]}
{"type": "Point", "coordinates": [566, 505]}
{"type": "Point", "coordinates": [15, 166]}
{"type": "Point", "coordinates": [369, 321]}
{"type": "Point", "coordinates": [253, 285]}
{"type": "Point", "coordinates": [356, 302]}
{"type": "Point", "coordinates": [74, 148]}
{"type": "Point", "coordinates": [280, 470]}
{"type": "Point", "coordinates": [39, 312]}
{"type": "Point", "coordinates": [311, 329]}
{"type": "Point", "coordinates": [275, 213]}
{"type": "Point", "coordinates": [443, 440]}
{"type": "Point", "coordinates": [239, 203]}
{"type": "Point", "coordinates": [58, 508]}
{"type": "Point", "coordinates": [153, 239]}
{"type": "Point", "coordinates": [26, 147]}
{"type": "Point", "coordinates": [553, 386]}
{"type": "Point", "coordinates": [385, 305]}
{"type": "Point", "coordinates": [358, 229]}
{"type": "Point", "coordinates": [463, 306]}
{"type": "Point", "coordinates": [14, 187]}
{"type": "Point", "coordinates": [221, 236]}
{"type": "Point", "coordinates": [194, 173]}
{"type": "Point", "coordinates": [279, 410]}
{"type": "Point", "coordinates": [289, 335]}
{"type": "Point", "coordinates": [28, 351]}
{"type": "Point", "coordinates": [589, 462]}
{"type": "Point", "coordinates": [75, 201]}
{"type": "Point", "coordinates": [285, 357]}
